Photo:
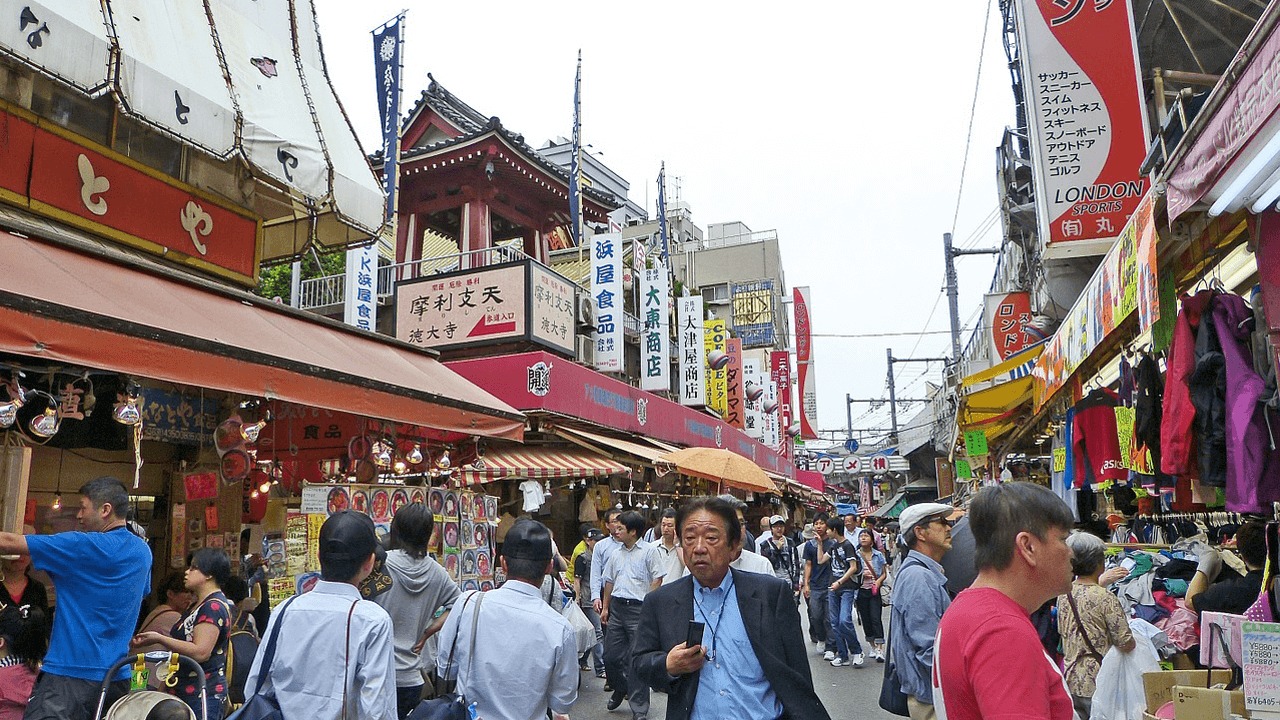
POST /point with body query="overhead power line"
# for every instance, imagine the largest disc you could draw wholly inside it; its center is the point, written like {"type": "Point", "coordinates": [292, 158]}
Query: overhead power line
{"type": "Point", "coordinates": [973, 113]}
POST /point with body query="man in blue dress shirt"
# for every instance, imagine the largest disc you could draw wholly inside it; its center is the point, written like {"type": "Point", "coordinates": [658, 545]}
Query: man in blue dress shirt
{"type": "Point", "coordinates": [751, 662]}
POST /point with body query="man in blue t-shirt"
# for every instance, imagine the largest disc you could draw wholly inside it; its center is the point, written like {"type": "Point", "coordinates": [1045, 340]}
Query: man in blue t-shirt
{"type": "Point", "coordinates": [817, 584]}
{"type": "Point", "coordinates": [100, 576]}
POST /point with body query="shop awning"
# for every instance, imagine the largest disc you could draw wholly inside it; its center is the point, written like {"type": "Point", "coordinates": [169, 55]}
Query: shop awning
{"type": "Point", "coordinates": [995, 408]}
{"type": "Point", "coordinates": [647, 453]}
{"type": "Point", "coordinates": [538, 462]}
{"type": "Point", "coordinates": [62, 306]}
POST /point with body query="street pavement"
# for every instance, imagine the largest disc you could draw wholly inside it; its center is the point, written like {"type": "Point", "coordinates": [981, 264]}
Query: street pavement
{"type": "Point", "coordinates": [848, 693]}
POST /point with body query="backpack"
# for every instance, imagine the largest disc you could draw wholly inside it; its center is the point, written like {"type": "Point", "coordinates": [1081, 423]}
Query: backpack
{"type": "Point", "coordinates": [242, 646]}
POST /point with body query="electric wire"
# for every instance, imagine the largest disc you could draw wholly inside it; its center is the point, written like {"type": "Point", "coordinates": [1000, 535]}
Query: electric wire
{"type": "Point", "coordinates": [973, 113]}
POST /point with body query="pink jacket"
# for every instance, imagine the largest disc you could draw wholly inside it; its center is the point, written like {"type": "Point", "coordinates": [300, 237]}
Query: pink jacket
{"type": "Point", "coordinates": [1177, 442]}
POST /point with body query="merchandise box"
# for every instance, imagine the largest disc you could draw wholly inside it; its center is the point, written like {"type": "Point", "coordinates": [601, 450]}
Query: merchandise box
{"type": "Point", "coordinates": [1159, 685]}
{"type": "Point", "coordinates": [1197, 703]}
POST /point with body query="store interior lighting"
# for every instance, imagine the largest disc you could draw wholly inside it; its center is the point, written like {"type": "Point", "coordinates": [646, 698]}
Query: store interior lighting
{"type": "Point", "coordinates": [1256, 182]}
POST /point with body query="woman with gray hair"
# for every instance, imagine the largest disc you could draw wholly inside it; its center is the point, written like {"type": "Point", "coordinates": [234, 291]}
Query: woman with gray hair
{"type": "Point", "coordinates": [1090, 618]}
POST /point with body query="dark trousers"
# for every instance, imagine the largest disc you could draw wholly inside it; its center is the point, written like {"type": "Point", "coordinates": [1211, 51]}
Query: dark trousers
{"type": "Point", "coordinates": [56, 697]}
{"type": "Point", "coordinates": [624, 616]}
{"type": "Point", "coordinates": [408, 698]}
{"type": "Point", "coordinates": [819, 624]}
{"type": "Point", "coordinates": [871, 610]}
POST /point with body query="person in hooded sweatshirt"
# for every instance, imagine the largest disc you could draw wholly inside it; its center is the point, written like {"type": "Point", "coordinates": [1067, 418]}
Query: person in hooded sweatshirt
{"type": "Point", "coordinates": [418, 602]}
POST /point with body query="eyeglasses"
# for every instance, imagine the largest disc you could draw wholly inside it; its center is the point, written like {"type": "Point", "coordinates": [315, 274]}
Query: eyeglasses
{"type": "Point", "coordinates": [944, 521]}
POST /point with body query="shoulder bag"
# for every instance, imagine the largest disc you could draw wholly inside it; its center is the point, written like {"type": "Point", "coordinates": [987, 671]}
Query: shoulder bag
{"type": "Point", "coordinates": [261, 706]}
{"type": "Point", "coordinates": [892, 698]}
{"type": "Point", "coordinates": [1084, 635]}
{"type": "Point", "coordinates": [451, 705]}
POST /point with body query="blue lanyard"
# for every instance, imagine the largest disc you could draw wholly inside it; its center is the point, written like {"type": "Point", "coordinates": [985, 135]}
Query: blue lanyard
{"type": "Point", "coordinates": [715, 627]}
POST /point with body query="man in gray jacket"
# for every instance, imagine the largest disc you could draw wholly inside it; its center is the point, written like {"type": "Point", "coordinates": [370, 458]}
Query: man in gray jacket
{"type": "Point", "coordinates": [418, 602]}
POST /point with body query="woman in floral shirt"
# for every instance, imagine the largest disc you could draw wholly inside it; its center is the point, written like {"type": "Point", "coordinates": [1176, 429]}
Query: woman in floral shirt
{"type": "Point", "coordinates": [1090, 619]}
{"type": "Point", "coordinates": [202, 633]}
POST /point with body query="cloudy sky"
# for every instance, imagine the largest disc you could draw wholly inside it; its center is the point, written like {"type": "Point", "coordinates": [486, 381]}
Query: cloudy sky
{"type": "Point", "coordinates": [842, 126]}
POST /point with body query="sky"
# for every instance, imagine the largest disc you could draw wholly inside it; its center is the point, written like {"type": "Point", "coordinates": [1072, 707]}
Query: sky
{"type": "Point", "coordinates": [841, 125]}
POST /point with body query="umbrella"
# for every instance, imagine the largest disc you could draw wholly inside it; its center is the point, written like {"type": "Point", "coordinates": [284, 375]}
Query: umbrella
{"type": "Point", "coordinates": [722, 466]}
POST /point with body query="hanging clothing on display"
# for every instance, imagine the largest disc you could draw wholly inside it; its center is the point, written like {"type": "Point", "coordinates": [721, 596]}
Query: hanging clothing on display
{"type": "Point", "coordinates": [1176, 437]}
{"type": "Point", "coordinates": [1095, 441]}
{"type": "Point", "coordinates": [1208, 385]}
{"type": "Point", "coordinates": [1148, 410]}
{"type": "Point", "coordinates": [532, 490]}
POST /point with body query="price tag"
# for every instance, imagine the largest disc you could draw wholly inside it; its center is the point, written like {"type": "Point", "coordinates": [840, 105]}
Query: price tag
{"type": "Point", "coordinates": [975, 443]}
{"type": "Point", "coordinates": [1059, 460]}
{"type": "Point", "coordinates": [1261, 666]}
{"type": "Point", "coordinates": [963, 470]}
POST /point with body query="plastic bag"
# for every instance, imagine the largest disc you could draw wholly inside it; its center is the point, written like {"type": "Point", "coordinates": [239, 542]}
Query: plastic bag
{"type": "Point", "coordinates": [1120, 694]}
{"type": "Point", "coordinates": [583, 631]}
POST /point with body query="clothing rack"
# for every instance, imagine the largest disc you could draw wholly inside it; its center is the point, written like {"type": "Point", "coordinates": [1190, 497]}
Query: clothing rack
{"type": "Point", "coordinates": [1217, 517]}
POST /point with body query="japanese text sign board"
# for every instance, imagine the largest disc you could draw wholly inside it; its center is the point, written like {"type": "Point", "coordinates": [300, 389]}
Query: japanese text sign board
{"type": "Point", "coordinates": [808, 390]}
{"type": "Point", "coordinates": [655, 328]}
{"type": "Point", "coordinates": [780, 373]}
{"type": "Point", "coordinates": [735, 401]}
{"type": "Point", "coordinates": [752, 304]}
{"type": "Point", "coordinates": [1262, 666]}
{"type": "Point", "coordinates": [1005, 316]}
{"type": "Point", "coordinates": [975, 443]}
{"type": "Point", "coordinates": [360, 295]}
{"type": "Point", "coordinates": [772, 435]}
{"type": "Point", "coordinates": [693, 364]}
{"type": "Point", "coordinates": [1087, 116]}
{"type": "Point", "coordinates": [607, 298]}
{"type": "Point", "coordinates": [101, 191]}
{"type": "Point", "coordinates": [751, 378]}
{"type": "Point", "coordinates": [499, 304]}
{"type": "Point", "coordinates": [716, 334]}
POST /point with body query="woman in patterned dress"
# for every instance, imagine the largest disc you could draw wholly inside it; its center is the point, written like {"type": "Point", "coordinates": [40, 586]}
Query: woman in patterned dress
{"type": "Point", "coordinates": [202, 633]}
{"type": "Point", "coordinates": [1090, 619]}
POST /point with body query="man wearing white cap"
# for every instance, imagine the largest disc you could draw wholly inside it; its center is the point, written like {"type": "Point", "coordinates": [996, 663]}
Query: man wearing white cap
{"type": "Point", "coordinates": [919, 599]}
{"type": "Point", "coordinates": [780, 551]}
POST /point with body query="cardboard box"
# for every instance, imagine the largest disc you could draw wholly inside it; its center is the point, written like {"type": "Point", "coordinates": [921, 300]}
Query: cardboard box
{"type": "Point", "coordinates": [1194, 703]}
{"type": "Point", "coordinates": [1159, 685]}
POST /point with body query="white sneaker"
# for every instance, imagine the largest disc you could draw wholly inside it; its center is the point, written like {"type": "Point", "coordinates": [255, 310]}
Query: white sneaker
{"type": "Point", "coordinates": [840, 663]}
{"type": "Point", "coordinates": [858, 660]}
{"type": "Point", "coordinates": [818, 645]}
{"type": "Point", "coordinates": [828, 656]}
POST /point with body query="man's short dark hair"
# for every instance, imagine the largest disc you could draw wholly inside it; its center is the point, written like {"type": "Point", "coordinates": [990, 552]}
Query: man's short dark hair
{"type": "Point", "coordinates": [608, 514]}
{"type": "Point", "coordinates": [716, 505]}
{"type": "Point", "coordinates": [532, 571]}
{"type": "Point", "coordinates": [1000, 512]}
{"type": "Point", "coordinates": [411, 529]}
{"type": "Point", "coordinates": [632, 521]}
{"type": "Point", "coordinates": [669, 513]}
{"type": "Point", "coordinates": [107, 490]}
{"type": "Point", "coordinates": [1251, 541]}
{"type": "Point", "coordinates": [213, 563]}
{"type": "Point", "coordinates": [822, 518]}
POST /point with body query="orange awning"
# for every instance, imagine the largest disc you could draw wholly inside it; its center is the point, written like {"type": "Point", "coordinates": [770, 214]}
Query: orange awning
{"type": "Point", "coordinates": [62, 306]}
{"type": "Point", "coordinates": [540, 462]}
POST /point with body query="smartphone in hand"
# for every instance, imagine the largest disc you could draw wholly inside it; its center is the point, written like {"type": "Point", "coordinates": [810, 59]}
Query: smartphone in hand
{"type": "Point", "coordinates": [695, 634]}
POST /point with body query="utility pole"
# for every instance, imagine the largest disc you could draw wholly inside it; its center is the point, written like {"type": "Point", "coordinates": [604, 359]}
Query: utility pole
{"type": "Point", "coordinates": [848, 408]}
{"type": "Point", "coordinates": [893, 391]}
{"type": "Point", "coordinates": [953, 291]}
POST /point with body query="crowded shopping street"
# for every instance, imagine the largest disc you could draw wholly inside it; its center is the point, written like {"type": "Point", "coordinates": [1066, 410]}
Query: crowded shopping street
{"type": "Point", "coordinates": [363, 362]}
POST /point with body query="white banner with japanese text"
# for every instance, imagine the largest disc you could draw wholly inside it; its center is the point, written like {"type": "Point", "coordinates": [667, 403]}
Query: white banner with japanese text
{"type": "Point", "coordinates": [693, 364]}
{"type": "Point", "coordinates": [655, 329]}
{"type": "Point", "coordinates": [606, 295]}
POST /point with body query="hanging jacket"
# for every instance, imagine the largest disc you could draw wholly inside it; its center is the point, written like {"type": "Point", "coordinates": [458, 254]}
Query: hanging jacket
{"type": "Point", "coordinates": [1148, 410]}
{"type": "Point", "coordinates": [1253, 464]}
{"type": "Point", "coordinates": [1176, 437]}
{"type": "Point", "coordinates": [1095, 440]}
{"type": "Point", "coordinates": [1208, 385]}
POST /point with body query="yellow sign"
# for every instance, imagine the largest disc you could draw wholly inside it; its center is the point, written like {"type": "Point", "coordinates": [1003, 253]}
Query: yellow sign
{"type": "Point", "coordinates": [714, 340]}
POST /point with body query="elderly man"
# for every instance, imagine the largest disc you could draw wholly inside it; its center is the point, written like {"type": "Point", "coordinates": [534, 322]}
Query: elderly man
{"type": "Point", "coordinates": [749, 662]}
{"type": "Point", "coordinates": [989, 660]}
{"type": "Point", "coordinates": [919, 600]}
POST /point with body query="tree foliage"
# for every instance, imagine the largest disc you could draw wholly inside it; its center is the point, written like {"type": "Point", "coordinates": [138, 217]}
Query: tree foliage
{"type": "Point", "coordinates": [275, 281]}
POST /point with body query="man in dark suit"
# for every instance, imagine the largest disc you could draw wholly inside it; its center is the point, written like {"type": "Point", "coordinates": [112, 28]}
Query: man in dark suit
{"type": "Point", "coordinates": [751, 662]}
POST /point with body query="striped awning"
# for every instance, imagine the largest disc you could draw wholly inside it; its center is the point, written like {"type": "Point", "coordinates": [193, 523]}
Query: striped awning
{"type": "Point", "coordinates": [540, 462]}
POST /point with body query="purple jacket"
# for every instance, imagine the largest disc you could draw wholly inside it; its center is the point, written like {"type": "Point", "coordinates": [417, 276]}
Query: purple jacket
{"type": "Point", "coordinates": [1253, 462]}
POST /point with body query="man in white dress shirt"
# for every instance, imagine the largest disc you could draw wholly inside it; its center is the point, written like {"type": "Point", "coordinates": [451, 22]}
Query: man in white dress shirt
{"type": "Point", "coordinates": [315, 648]}
{"type": "Point", "coordinates": [522, 659]}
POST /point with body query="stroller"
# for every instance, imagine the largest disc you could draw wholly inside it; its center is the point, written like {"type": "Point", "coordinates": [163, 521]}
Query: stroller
{"type": "Point", "coordinates": [139, 702]}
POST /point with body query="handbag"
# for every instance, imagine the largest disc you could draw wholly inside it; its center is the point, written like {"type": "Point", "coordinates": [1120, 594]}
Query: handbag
{"type": "Point", "coordinates": [892, 698]}
{"type": "Point", "coordinates": [450, 705]}
{"type": "Point", "coordinates": [260, 706]}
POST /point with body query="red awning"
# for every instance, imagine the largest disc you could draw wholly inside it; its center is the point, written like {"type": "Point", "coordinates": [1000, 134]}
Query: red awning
{"type": "Point", "coordinates": [541, 462]}
{"type": "Point", "coordinates": [812, 478]}
{"type": "Point", "coordinates": [60, 305]}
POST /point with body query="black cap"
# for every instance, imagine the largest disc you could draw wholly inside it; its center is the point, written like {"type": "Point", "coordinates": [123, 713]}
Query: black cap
{"type": "Point", "coordinates": [594, 534]}
{"type": "Point", "coordinates": [527, 540]}
{"type": "Point", "coordinates": [348, 535]}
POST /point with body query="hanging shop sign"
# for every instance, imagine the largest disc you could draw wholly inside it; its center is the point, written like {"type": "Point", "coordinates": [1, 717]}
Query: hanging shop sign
{"type": "Point", "coordinates": [1124, 283]}
{"type": "Point", "coordinates": [752, 304]}
{"type": "Point", "coordinates": [769, 413]}
{"type": "Point", "coordinates": [1005, 315]}
{"type": "Point", "coordinates": [693, 370]}
{"type": "Point", "coordinates": [607, 297]}
{"type": "Point", "coordinates": [178, 418]}
{"type": "Point", "coordinates": [655, 333]}
{"type": "Point", "coordinates": [1088, 120]}
{"type": "Point", "coordinates": [715, 337]}
{"type": "Point", "coordinates": [360, 294]}
{"type": "Point", "coordinates": [96, 189]}
{"type": "Point", "coordinates": [735, 402]}
{"type": "Point", "coordinates": [496, 305]}
{"type": "Point", "coordinates": [808, 390]}
{"type": "Point", "coordinates": [780, 373]}
{"type": "Point", "coordinates": [753, 422]}
{"type": "Point", "coordinates": [975, 443]}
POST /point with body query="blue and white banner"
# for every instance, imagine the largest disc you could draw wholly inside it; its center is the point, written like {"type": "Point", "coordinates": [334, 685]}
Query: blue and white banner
{"type": "Point", "coordinates": [388, 50]}
{"type": "Point", "coordinates": [663, 249]}
{"type": "Point", "coordinates": [607, 298]}
{"type": "Point", "coordinates": [655, 332]}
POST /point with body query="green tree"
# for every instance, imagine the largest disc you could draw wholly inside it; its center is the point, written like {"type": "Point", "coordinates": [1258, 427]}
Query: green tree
{"type": "Point", "coordinates": [276, 281]}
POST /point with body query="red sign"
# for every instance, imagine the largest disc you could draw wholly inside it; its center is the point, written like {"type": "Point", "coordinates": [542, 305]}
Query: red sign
{"type": "Point", "coordinates": [1006, 315]}
{"type": "Point", "coordinates": [734, 405]}
{"type": "Point", "coordinates": [540, 381]}
{"type": "Point", "coordinates": [201, 486]}
{"type": "Point", "coordinates": [780, 373]}
{"type": "Point", "coordinates": [108, 194]}
{"type": "Point", "coordinates": [808, 410]}
{"type": "Point", "coordinates": [1088, 117]}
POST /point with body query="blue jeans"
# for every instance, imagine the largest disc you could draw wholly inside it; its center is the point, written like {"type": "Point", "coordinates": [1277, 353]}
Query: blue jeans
{"type": "Point", "coordinates": [597, 652]}
{"type": "Point", "coordinates": [840, 610]}
{"type": "Point", "coordinates": [819, 619]}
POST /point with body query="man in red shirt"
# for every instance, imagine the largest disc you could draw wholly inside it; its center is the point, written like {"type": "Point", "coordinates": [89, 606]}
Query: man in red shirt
{"type": "Point", "coordinates": [988, 661]}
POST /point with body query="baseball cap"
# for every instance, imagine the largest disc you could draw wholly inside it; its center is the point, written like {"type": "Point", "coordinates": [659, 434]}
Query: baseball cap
{"type": "Point", "coordinates": [348, 535]}
{"type": "Point", "coordinates": [777, 520]}
{"type": "Point", "coordinates": [594, 534]}
{"type": "Point", "coordinates": [527, 540]}
{"type": "Point", "coordinates": [917, 514]}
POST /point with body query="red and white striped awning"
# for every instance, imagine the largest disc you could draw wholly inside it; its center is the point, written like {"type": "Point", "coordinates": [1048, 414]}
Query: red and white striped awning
{"type": "Point", "coordinates": [541, 463]}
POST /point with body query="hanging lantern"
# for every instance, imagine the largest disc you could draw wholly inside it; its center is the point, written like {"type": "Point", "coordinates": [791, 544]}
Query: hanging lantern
{"type": "Point", "coordinates": [415, 455]}
{"type": "Point", "coordinates": [400, 467]}
{"type": "Point", "coordinates": [8, 413]}
{"type": "Point", "coordinates": [45, 424]}
{"type": "Point", "coordinates": [126, 410]}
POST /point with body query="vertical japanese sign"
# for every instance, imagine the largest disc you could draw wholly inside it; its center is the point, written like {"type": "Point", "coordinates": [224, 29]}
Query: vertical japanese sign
{"type": "Point", "coordinates": [735, 402]}
{"type": "Point", "coordinates": [808, 390]}
{"type": "Point", "coordinates": [360, 302]}
{"type": "Point", "coordinates": [606, 295]}
{"type": "Point", "coordinates": [717, 359]}
{"type": "Point", "coordinates": [780, 373]}
{"type": "Point", "coordinates": [753, 394]}
{"type": "Point", "coordinates": [1005, 315]}
{"type": "Point", "coordinates": [655, 332]}
{"type": "Point", "coordinates": [770, 413]}
{"type": "Point", "coordinates": [388, 53]}
{"type": "Point", "coordinates": [1087, 116]}
{"type": "Point", "coordinates": [693, 371]}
